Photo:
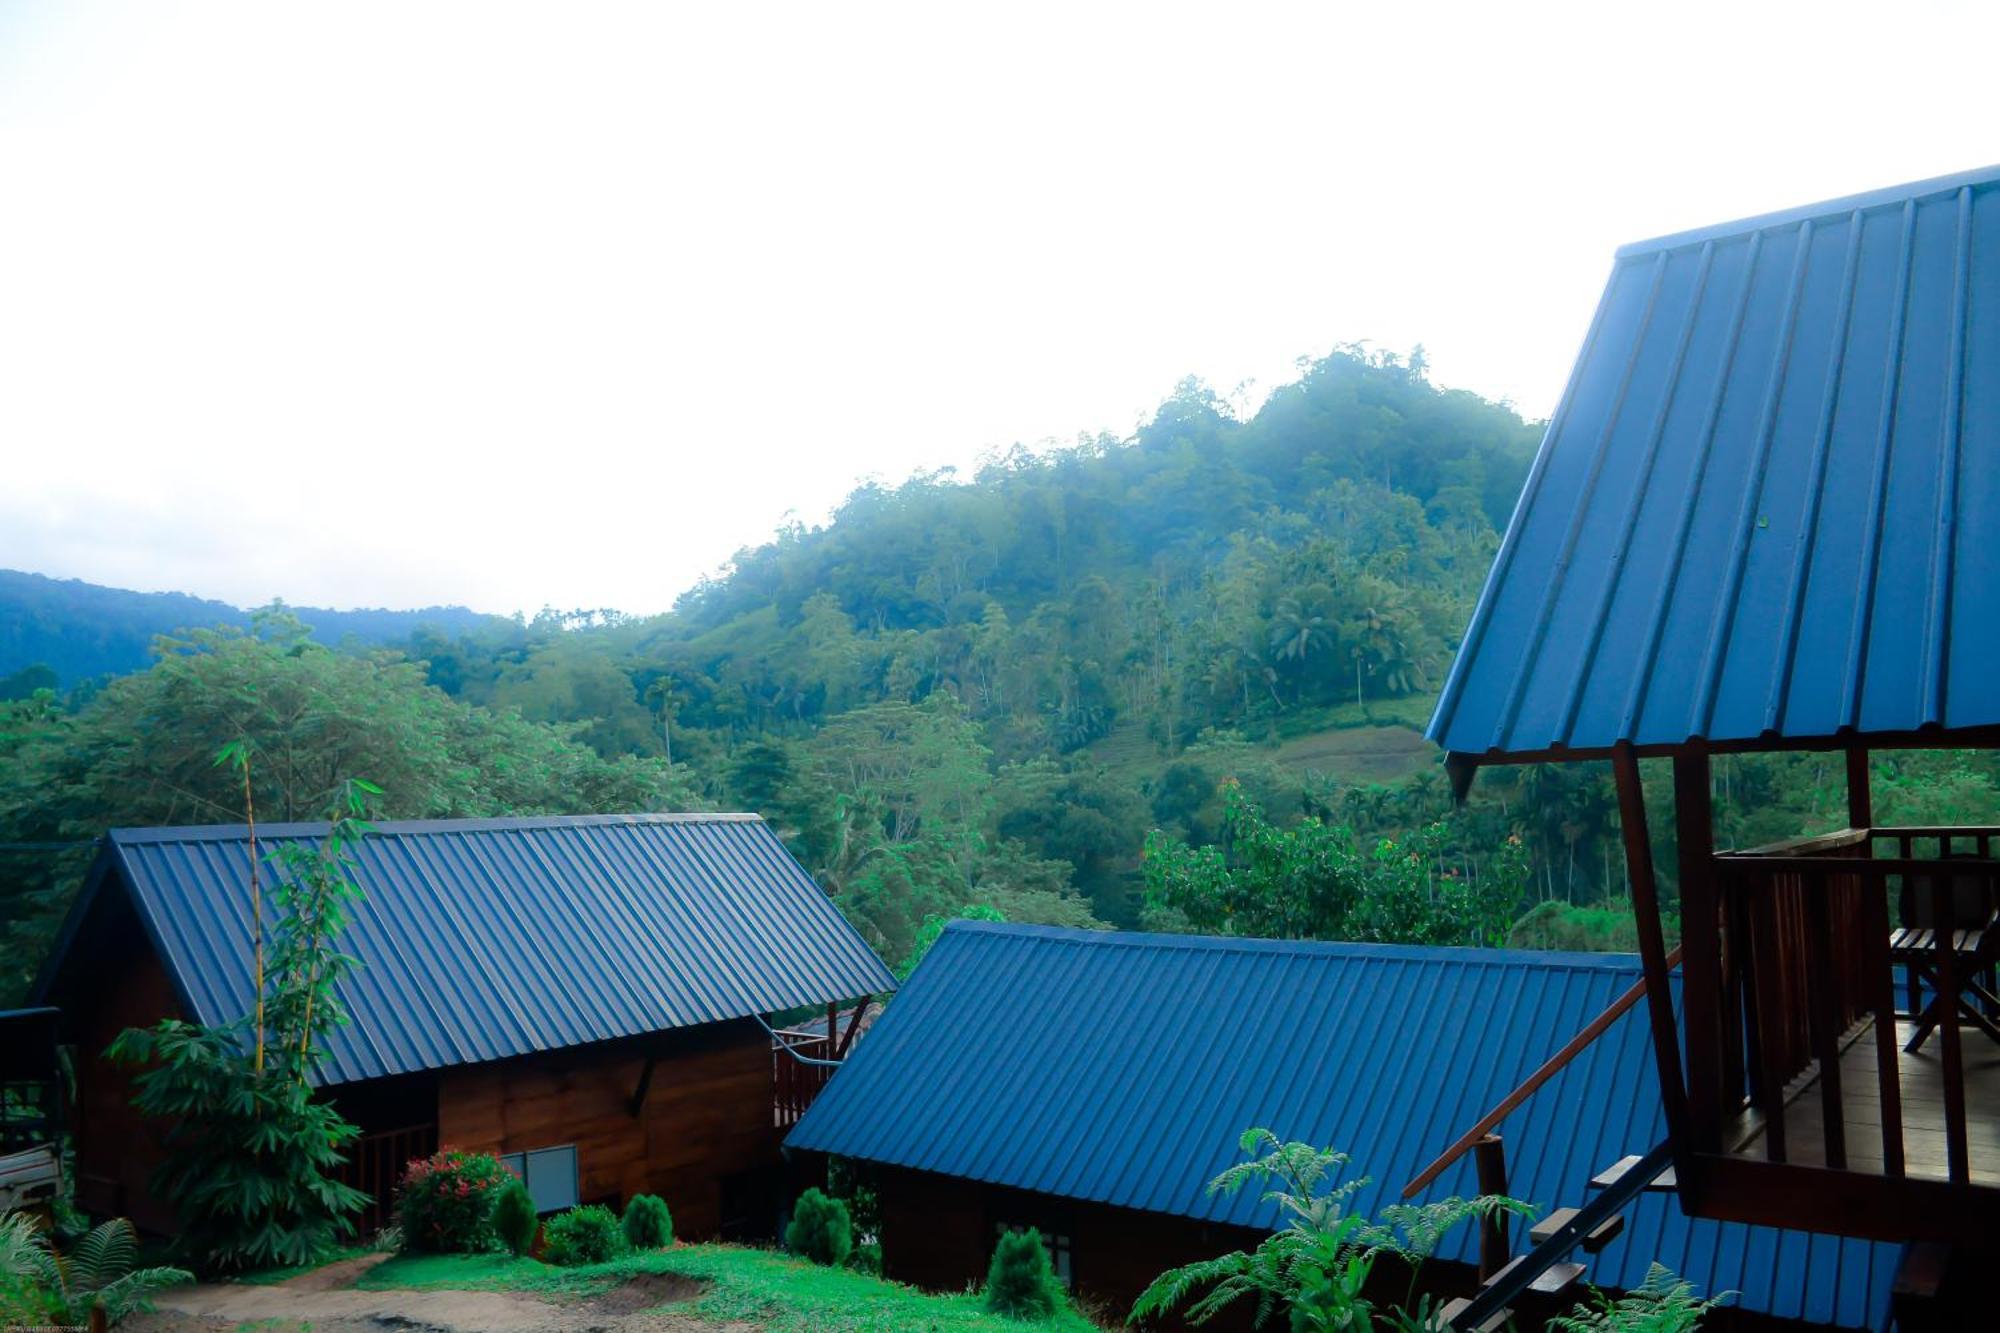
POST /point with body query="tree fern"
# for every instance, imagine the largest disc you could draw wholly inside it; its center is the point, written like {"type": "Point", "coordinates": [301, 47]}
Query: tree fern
{"type": "Point", "coordinates": [41, 1285]}
{"type": "Point", "coordinates": [1663, 1303]}
{"type": "Point", "coordinates": [1314, 1267]}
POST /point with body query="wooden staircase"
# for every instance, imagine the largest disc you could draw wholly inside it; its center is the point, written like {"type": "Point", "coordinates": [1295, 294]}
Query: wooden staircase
{"type": "Point", "coordinates": [1547, 1271]}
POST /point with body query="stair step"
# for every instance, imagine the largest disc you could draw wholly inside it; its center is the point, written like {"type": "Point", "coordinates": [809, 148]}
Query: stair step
{"type": "Point", "coordinates": [1457, 1305]}
{"type": "Point", "coordinates": [1558, 1278]}
{"type": "Point", "coordinates": [1607, 1231]}
{"type": "Point", "coordinates": [1610, 1175]}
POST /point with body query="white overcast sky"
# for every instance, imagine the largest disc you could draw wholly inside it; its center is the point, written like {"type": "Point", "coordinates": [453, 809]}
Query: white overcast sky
{"type": "Point", "coordinates": [562, 304]}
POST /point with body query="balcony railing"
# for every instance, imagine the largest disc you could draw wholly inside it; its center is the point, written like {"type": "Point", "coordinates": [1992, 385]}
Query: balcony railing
{"type": "Point", "coordinates": [375, 1165]}
{"type": "Point", "coordinates": [797, 1081]}
{"type": "Point", "coordinates": [1821, 940]}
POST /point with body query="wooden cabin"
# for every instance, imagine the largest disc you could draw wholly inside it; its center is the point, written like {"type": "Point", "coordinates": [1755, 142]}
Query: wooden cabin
{"type": "Point", "coordinates": [1091, 1084]}
{"type": "Point", "coordinates": [1766, 517]}
{"type": "Point", "coordinates": [584, 996]}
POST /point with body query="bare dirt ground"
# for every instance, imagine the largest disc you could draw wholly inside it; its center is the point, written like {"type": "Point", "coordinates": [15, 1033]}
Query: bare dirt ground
{"type": "Point", "coordinates": [324, 1301]}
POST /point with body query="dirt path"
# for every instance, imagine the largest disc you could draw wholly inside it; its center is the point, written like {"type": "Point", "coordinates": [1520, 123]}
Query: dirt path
{"type": "Point", "coordinates": [325, 1301]}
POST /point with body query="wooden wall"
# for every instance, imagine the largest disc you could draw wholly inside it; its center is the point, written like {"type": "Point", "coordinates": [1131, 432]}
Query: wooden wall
{"type": "Point", "coordinates": [938, 1233]}
{"type": "Point", "coordinates": [707, 1116]}
{"type": "Point", "coordinates": [116, 1147]}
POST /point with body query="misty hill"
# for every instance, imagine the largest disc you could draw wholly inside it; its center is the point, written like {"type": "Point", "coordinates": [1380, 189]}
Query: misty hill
{"type": "Point", "coordinates": [83, 630]}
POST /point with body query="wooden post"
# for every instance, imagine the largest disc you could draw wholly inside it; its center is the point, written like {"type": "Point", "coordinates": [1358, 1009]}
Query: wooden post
{"type": "Point", "coordinates": [1702, 1001]}
{"type": "Point", "coordinates": [1653, 955]}
{"type": "Point", "coordinates": [1860, 799]}
{"type": "Point", "coordinates": [1489, 1160]}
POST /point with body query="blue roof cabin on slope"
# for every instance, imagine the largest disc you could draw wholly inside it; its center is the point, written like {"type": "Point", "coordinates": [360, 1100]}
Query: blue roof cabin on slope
{"type": "Point", "coordinates": [481, 939]}
{"type": "Point", "coordinates": [1121, 1069]}
{"type": "Point", "coordinates": [1767, 509]}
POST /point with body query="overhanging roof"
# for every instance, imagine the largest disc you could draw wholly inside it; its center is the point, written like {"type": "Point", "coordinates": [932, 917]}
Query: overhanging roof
{"type": "Point", "coordinates": [481, 939]}
{"type": "Point", "coordinates": [1768, 505]}
{"type": "Point", "coordinates": [1121, 1069]}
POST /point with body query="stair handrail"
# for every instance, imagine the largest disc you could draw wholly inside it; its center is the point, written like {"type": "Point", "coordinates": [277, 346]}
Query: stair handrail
{"type": "Point", "coordinates": [1496, 1295]}
{"type": "Point", "coordinates": [1549, 1069]}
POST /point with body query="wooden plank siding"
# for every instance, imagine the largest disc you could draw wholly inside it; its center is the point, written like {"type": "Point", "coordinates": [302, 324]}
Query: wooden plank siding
{"type": "Point", "coordinates": [938, 1233]}
{"type": "Point", "coordinates": [117, 1149]}
{"type": "Point", "coordinates": [706, 1116]}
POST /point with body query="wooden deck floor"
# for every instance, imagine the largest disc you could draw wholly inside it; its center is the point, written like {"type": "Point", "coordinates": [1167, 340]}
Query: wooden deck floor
{"type": "Point", "coordinates": [1921, 1081]}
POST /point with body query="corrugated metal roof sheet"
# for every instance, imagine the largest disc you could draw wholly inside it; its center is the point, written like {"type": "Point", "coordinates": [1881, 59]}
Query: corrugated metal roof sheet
{"type": "Point", "coordinates": [1122, 1068]}
{"type": "Point", "coordinates": [483, 939]}
{"type": "Point", "coordinates": [1768, 504]}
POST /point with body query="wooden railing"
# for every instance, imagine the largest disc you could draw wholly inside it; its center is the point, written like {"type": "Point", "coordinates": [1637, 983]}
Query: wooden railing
{"type": "Point", "coordinates": [796, 1082]}
{"type": "Point", "coordinates": [1806, 966]}
{"type": "Point", "coordinates": [375, 1165]}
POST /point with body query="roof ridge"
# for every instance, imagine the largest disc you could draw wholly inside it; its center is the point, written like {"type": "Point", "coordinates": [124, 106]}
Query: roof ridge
{"type": "Point", "coordinates": [1476, 955]}
{"type": "Point", "coordinates": [1884, 197]}
{"type": "Point", "coordinates": [411, 827]}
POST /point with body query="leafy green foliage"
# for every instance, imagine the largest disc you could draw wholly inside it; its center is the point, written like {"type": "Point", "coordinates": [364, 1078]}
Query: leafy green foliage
{"type": "Point", "coordinates": [648, 1224]}
{"type": "Point", "coordinates": [251, 1154]}
{"type": "Point", "coordinates": [589, 1234]}
{"type": "Point", "coordinates": [514, 1219]}
{"type": "Point", "coordinates": [1021, 1282]}
{"type": "Point", "coordinates": [1316, 1267]}
{"type": "Point", "coordinates": [1660, 1304]}
{"type": "Point", "coordinates": [250, 1157]}
{"type": "Point", "coordinates": [141, 751]}
{"type": "Point", "coordinates": [40, 1285]}
{"type": "Point", "coordinates": [933, 927]}
{"type": "Point", "coordinates": [1315, 881]}
{"type": "Point", "coordinates": [446, 1203]}
{"type": "Point", "coordinates": [820, 1229]}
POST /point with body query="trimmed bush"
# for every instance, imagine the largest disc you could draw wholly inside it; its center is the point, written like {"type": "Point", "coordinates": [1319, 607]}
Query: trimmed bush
{"type": "Point", "coordinates": [445, 1204]}
{"type": "Point", "coordinates": [1022, 1283]}
{"type": "Point", "coordinates": [514, 1219]}
{"type": "Point", "coordinates": [648, 1224]}
{"type": "Point", "coordinates": [820, 1229]}
{"type": "Point", "coordinates": [586, 1235]}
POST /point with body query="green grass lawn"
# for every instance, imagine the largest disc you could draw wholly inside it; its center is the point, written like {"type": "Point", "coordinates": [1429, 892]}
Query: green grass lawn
{"type": "Point", "coordinates": [779, 1292]}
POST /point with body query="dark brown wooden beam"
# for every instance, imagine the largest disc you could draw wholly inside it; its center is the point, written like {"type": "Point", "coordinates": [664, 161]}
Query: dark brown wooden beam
{"type": "Point", "coordinates": [1652, 946]}
{"type": "Point", "coordinates": [1702, 998]}
{"type": "Point", "coordinates": [1844, 1203]}
{"type": "Point", "coordinates": [853, 1026]}
{"type": "Point", "coordinates": [645, 1083]}
{"type": "Point", "coordinates": [1489, 1158]}
{"type": "Point", "coordinates": [1860, 796]}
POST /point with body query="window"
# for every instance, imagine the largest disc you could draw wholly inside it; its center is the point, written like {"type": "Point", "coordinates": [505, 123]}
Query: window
{"type": "Point", "coordinates": [1055, 1242]}
{"type": "Point", "coordinates": [549, 1174]}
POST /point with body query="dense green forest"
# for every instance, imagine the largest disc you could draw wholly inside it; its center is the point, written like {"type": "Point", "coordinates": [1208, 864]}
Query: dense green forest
{"type": "Point", "coordinates": [1122, 682]}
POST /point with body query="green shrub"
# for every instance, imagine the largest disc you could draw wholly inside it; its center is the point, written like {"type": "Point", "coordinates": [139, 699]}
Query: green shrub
{"type": "Point", "coordinates": [820, 1229]}
{"type": "Point", "coordinates": [1022, 1283]}
{"type": "Point", "coordinates": [586, 1235]}
{"type": "Point", "coordinates": [514, 1219]}
{"type": "Point", "coordinates": [648, 1224]}
{"type": "Point", "coordinates": [446, 1202]}
{"type": "Point", "coordinates": [867, 1258]}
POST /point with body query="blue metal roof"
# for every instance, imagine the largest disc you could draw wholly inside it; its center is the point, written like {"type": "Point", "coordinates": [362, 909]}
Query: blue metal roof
{"type": "Point", "coordinates": [1122, 1068]}
{"type": "Point", "coordinates": [483, 939]}
{"type": "Point", "coordinates": [1768, 505]}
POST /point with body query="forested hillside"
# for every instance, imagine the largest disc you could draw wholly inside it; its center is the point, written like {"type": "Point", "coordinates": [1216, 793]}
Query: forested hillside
{"type": "Point", "coordinates": [78, 631]}
{"type": "Point", "coordinates": [1089, 685]}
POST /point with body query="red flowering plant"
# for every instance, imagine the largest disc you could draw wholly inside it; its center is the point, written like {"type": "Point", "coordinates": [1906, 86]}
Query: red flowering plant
{"type": "Point", "coordinates": [445, 1202]}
